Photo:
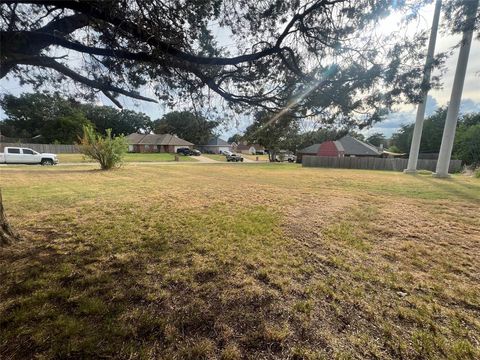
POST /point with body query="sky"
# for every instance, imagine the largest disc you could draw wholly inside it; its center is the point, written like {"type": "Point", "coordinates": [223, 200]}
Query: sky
{"type": "Point", "coordinates": [439, 97]}
{"type": "Point", "coordinates": [401, 115]}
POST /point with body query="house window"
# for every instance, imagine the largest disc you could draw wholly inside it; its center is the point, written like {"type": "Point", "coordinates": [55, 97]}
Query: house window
{"type": "Point", "coordinates": [147, 147]}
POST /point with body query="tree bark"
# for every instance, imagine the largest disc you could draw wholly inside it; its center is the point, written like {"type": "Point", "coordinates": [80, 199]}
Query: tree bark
{"type": "Point", "coordinates": [7, 235]}
{"type": "Point", "coordinates": [272, 155]}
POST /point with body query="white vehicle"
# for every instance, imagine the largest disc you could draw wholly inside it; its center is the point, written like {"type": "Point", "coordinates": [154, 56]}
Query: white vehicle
{"type": "Point", "coordinates": [19, 155]}
{"type": "Point", "coordinates": [285, 156]}
{"type": "Point", "coordinates": [226, 153]}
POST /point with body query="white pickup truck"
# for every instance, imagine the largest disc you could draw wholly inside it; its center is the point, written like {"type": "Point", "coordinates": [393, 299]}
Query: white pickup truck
{"type": "Point", "coordinates": [19, 155]}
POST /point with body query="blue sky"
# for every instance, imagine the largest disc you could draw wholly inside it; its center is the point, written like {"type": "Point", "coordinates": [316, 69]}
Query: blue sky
{"type": "Point", "coordinates": [401, 115]}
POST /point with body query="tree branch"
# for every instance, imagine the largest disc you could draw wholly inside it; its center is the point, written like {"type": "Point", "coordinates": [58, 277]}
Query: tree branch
{"type": "Point", "coordinates": [52, 64]}
{"type": "Point", "coordinates": [66, 25]}
{"type": "Point", "coordinates": [112, 99]}
{"type": "Point", "coordinates": [133, 29]}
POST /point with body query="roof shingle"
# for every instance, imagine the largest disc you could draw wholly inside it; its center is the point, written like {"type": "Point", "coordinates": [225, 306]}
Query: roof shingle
{"type": "Point", "coordinates": [348, 145]}
{"type": "Point", "coordinates": [312, 149]}
{"type": "Point", "coordinates": [353, 146]}
{"type": "Point", "coordinates": [216, 141]}
{"type": "Point", "coordinates": [156, 139]}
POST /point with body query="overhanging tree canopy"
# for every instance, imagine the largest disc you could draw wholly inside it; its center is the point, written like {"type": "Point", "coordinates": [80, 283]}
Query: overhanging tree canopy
{"type": "Point", "coordinates": [186, 125]}
{"type": "Point", "coordinates": [326, 56]}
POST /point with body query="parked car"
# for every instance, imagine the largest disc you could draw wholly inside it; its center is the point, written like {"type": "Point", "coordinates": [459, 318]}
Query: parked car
{"type": "Point", "coordinates": [234, 158]}
{"type": "Point", "coordinates": [285, 156]}
{"type": "Point", "coordinates": [291, 158]}
{"type": "Point", "coordinates": [188, 152]}
{"type": "Point", "coordinates": [183, 151]}
{"type": "Point", "coordinates": [19, 155]}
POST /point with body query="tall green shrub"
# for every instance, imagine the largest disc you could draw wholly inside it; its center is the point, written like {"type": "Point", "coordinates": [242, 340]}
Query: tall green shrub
{"type": "Point", "coordinates": [107, 150]}
{"type": "Point", "coordinates": [467, 144]}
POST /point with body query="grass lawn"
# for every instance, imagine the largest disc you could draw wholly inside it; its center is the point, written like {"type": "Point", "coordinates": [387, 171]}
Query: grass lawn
{"type": "Point", "coordinates": [261, 158]}
{"type": "Point", "coordinates": [216, 157]}
{"type": "Point", "coordinates": [161, 262]}
{"type": "Point", "coordinates": [129, 157]}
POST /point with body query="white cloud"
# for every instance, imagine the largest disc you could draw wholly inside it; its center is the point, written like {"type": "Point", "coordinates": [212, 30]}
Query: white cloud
{"type": "Point", "coordinates": [468, 106]}
{"type": "Point", "coordinates": [432, 105]}
{"type": "Point", "coordinates": [396, 119]}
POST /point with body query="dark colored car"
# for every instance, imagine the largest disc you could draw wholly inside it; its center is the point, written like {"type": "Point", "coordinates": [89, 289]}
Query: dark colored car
{"type": "Point", "coordinates": [188, 152]}
{"type": "Point", "coordinates": [234, 158]}
{"type": "Point", "coordinates": [183, 151]}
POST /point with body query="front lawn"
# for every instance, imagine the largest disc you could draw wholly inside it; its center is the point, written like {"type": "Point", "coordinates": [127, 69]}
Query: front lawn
{"type": "Point", "coordinates": [266, 261]}
{"type": "Point", "coordinates": [262, 158]}
{"type": "Point", "coordinates": [129, 157]}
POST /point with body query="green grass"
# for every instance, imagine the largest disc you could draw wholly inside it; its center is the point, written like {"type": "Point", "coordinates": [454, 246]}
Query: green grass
{"type": "Point", "coordinates": [129, 157]}
{"type": "Point", "coordinates": [161, 261]}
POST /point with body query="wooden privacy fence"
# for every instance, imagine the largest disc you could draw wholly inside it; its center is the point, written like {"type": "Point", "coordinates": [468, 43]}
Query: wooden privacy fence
{"type": "Point", "coordinates": [373, 163]}
{"type": "Point", "coordinates": [44, 148]}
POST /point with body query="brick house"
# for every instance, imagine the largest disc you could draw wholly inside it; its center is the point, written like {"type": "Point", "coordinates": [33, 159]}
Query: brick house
{"type": "Point", "coordinates": [346, 146]}
{"type": "Point", "coordinates": [162, 143]}
{"type": "Point", "coordinates": [215, 146]}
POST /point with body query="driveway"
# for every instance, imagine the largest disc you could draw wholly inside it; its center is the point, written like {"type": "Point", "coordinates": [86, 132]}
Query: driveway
{"type": "Point", "coordinates": [204, 159]}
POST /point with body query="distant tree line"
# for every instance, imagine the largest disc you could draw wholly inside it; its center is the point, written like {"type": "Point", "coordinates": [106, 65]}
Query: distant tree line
{"type": "Point", "coordinates": [186, 125]}
{"type": "Point", "coordinates": [283, 133]}
{"type": "Point", "coordinates": [50, 118]}
{"type": "Point", "coordinates": [467, 136]}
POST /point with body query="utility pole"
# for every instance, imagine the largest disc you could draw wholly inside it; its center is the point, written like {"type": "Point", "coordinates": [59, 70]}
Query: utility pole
{"type": "Point", "coordinates": [417, 131]}
{"type": "Point", "coordinates": [456, 95]}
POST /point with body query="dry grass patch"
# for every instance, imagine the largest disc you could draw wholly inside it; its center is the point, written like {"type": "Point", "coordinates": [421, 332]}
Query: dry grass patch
{"type": "Point", "coordinates": [259, 158]}
{"type": "Point", "coordinates": [216, 157]}
{"type": "Point", "coordinates": [129, 157]}
{"type": "Point", "coordinates": [251, 261]}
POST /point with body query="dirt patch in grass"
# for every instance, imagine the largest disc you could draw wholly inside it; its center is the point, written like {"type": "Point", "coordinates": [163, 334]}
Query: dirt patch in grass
{"type": "Point", "coordinates": [162, 262]}
{"type": "Point", "coordinates": [259, 158]}
{"type": "Point", "coordinates": [404, 275]}
{"type": "Point", "coordinates": [216, 157]}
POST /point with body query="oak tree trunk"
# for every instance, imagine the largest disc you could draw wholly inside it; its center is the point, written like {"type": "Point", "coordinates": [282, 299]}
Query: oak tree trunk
{"type": "Point", "coordinates": [272, 155]}
{"type": "Point", "coordinates": [7, 235]}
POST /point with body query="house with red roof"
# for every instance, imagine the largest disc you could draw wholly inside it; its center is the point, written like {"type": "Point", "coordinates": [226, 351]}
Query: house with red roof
{"type": "Point", "coordinates": [346, 146]}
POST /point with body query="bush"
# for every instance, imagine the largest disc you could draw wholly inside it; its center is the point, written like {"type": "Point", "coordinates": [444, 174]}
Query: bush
{"type": "Point", "coordinates": [394, 149]}
{"type": "Point", "coordinates": [477, 173]}
{"type": "Point", "coordinates": [467, 144]}
{"type": "Point", "coordinates": [108, 151]}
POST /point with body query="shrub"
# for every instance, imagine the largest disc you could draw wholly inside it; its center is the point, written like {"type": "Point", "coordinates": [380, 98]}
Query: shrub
{"type": "Point", "coordinates": [107, 150]}
{"type": "Point", "coordinates": [394, 149]}
{"type": "Point", "coordinates": [467, 145]}
{"type": "Point", "coordinates": [477, 173]}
